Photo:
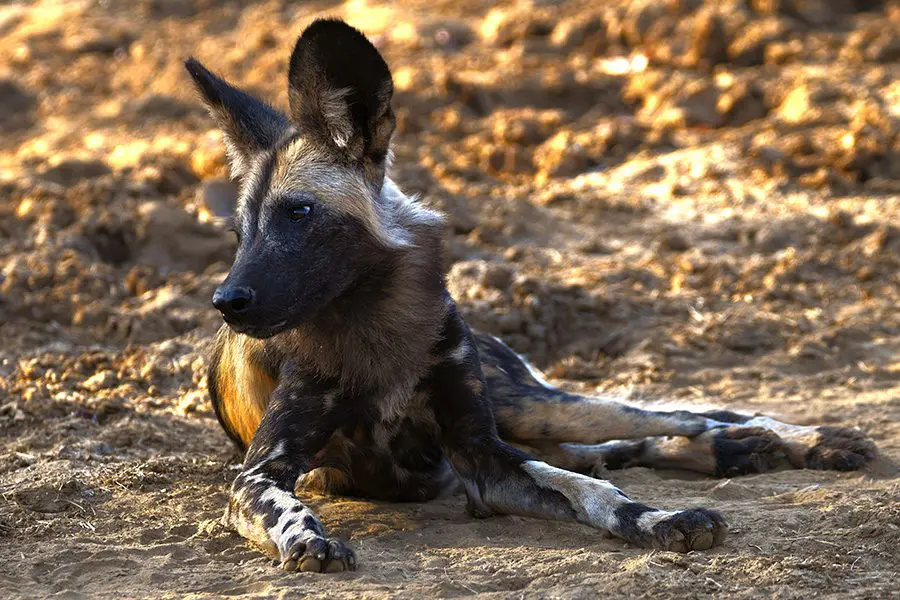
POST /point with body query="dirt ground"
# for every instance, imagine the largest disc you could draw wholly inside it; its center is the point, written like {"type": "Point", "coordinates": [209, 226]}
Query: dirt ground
{"type": "Point", "coordinates": [693, 200]}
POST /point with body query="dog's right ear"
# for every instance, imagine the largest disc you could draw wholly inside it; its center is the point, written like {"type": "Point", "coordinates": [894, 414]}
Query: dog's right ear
{"type": "Point", "coordinates": [250, 125]}
{"type": "Point", "coordinates": [340, 92]}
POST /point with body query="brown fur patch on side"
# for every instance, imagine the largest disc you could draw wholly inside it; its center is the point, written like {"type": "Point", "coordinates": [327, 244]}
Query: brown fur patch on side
{"type": "Point", "coordinates": [474, 384]}
{"type": "Point", "coordinates": [244, 388]}
{"type": "Point", "coordinates": [325, 480]}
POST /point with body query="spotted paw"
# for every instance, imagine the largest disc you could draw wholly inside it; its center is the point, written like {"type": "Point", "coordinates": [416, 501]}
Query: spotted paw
{"type": "Point", "coordinates": [840, 449]}
{"type": "Point", "coordinates": [744, 450]}
{"type": "Point", "coordinates": [693, 529]}
{"type": "Point", "coordinates": [319, 555]}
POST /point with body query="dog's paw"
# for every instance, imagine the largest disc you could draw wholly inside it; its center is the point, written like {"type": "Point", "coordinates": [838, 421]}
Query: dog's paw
{"type": "Point", "coordinates": [319, 555]}
{"type": "Point", "coordinates": [821, 447]}
{"type": "Point", "coordinates": [746, 450]}
{"type": "Point", "coordinates": [840, 449]}
{"type": "Point", "coordinates": [692, 529]}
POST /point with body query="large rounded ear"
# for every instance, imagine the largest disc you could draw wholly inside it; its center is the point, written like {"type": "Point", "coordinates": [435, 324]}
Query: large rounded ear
{"type": "Point", "coordinates": [340, 91]}
{"type": "Point", "coordinates": [250, 125]}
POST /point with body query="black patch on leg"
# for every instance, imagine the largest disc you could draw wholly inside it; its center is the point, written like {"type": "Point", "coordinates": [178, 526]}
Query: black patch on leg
{"type": "Point", "coordinates": [840, 449]}
{"type": "Point", "coordinates": [624, 454]}
{"type": "Point", "coordinates": [496, 483]}
{"type": "Point", "coordinates": [626, 517]}
{"type": "Point", "coordinates": [272, 513]}
{"type": "Point", "coordinates": [726, 416]}
{"type": "Point", "coordinates": [311, 524]}
{"type": "Point", "coordinates": [745, 450]}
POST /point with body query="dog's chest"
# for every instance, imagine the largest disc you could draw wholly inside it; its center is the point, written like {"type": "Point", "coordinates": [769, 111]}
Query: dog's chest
{"type": "Point", "coordinates": [393, 452]}
{"type": "Point", "coordinates": [398, 422]}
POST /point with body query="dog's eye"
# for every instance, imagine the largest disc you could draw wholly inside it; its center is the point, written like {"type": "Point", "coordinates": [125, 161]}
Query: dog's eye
{"type": "Point", "coordinates": [299, 212]}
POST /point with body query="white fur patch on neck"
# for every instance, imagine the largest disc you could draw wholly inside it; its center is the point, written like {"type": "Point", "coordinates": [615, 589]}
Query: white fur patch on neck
{"type": "Point", "coordinates": [399, 213]}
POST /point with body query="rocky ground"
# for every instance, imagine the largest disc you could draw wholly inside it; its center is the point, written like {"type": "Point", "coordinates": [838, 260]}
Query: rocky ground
{"type": "Point", "coordinates": [694, 200]}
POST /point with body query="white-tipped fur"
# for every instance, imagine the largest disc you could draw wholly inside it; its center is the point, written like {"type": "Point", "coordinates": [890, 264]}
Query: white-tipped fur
{"type": "Point", "coordinates": [336, 113]}
{"type": "Point", "coordinates": [398, 213]}
{"type": "Point", "coordinates": [460, 353]}
{"type": "Point", "coordinates": [532, 370]}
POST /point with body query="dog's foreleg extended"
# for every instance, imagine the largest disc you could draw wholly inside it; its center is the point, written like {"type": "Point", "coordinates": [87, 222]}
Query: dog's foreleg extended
{"type": "Point", "coordinates": [501, 479]}
{"type": "Point", "coordinates": [263, 507]}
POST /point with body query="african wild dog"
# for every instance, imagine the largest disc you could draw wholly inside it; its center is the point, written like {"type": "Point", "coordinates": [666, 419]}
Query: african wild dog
{"type": "Point", "coordinates": [345, 367]}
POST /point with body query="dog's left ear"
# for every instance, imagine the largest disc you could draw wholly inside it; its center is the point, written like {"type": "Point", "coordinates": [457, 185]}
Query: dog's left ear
{"type": "Point", "coordinates": [250, 125]}
{"type": "Point", "coordinates": [340, 91]}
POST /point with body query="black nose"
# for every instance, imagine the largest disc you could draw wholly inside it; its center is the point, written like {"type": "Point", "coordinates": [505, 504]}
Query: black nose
{"type": "Point", "coordinates": [233, 301]}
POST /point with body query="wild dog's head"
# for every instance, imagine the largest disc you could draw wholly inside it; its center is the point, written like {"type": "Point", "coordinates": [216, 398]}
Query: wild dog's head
{"type": "Point", "coordinates": [313, 215]}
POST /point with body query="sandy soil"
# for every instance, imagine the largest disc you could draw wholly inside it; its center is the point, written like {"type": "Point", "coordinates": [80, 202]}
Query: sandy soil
{"type": "Point", "coordinates": [690, 200]}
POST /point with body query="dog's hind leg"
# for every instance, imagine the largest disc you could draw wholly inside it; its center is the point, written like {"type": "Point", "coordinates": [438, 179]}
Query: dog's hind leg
{"type": "Point", "coordinates": [722, 452]}
{"type": "Point", "coordinates": [758, 445]}
{"type": "Point", "coordinates": [528, 409]}
{"type": "Point", "coordinates": [581, 433]}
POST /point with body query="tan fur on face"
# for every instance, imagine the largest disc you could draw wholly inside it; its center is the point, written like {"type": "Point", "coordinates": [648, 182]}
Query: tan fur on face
{"type": "Point", "coordinates": [303, 167]}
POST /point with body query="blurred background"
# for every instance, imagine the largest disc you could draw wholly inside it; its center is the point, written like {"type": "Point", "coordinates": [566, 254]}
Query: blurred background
{"type": "Point", "coordinates": [689, 199]}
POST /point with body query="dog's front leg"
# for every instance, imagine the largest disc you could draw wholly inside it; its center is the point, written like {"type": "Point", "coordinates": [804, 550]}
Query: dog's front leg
{"type": "Point", "coordinates": [501, 479]}
{"type": "Point", "coordinates": [263, 507]}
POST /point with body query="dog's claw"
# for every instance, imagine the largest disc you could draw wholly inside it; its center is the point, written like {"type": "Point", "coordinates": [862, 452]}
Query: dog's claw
{"type": "Point", "coordinates": [320, 555]}
{"type": "Point", "coordinates": [289, 565]}
{"type": "Point", "coordinates": [693, 529]}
